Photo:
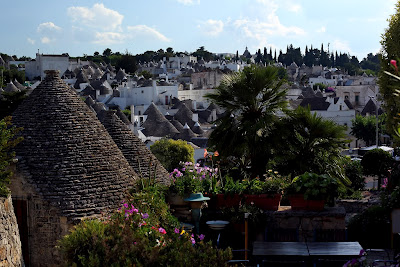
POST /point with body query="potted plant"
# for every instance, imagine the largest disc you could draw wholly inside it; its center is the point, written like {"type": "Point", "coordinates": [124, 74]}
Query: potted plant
{"type": "Point", "coordinates": [309, 191]}
{"type": "Point", "coordinates": [231, 193]}
{"type": "Point", "coordinates": [266, 193]}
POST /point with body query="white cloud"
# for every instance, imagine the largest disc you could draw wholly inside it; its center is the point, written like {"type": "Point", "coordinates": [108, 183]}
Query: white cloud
{"type": "Point", "coordinates": [292, 7]}
{"type": "Point", "coordinates": [342, 46]}
{"type": "Point", "coordinates": [108, 38]}
{"type": "Point", "coordinates": [211, 27]}
{"type": "Point", "coordinates": [321, 30]}
{"type": "Point", "coordinates": [265, 24]}
{"type": "Point", "coordinates": [98, 17]}
{"type": "Point", "coordinates": [31, 41]}
{"type": "Point", "coordinates": [46, 40]}
{"type": "Point", "coordinates": [48, 26]}
{"type": "Point", "coordinates": [146, 31]}
{"type": "Point", "coordinates": [189, 2]}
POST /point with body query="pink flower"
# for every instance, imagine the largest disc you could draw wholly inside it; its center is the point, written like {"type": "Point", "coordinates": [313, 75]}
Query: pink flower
{"type": "Point", "coordinates": [201, 237]}
{"type": "Point", "coordinates": [385, 182]}
{"type": "Point", "coordinates": [162, 230]}
{"type": "Point", "coordinates": [394, 63]}
{"type": "Point", "coordinates": [193, 241]}
{"type": "Point", "coordinates": [176, 231]}
{"type": "Point", "coordinates": [145, 216]}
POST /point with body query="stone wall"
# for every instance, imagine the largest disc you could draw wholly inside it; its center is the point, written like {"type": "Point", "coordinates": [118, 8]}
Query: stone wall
{"type": "Point", "coordinates": [43, 224]}
{"type": "Point", "coordinates": [10, 244]}
{"type": "Point", "coordinates": [305, 224]}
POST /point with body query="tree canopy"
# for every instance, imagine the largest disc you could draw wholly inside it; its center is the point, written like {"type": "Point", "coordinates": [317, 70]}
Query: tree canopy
{"type": "Point", "coordinates": [251, 99]}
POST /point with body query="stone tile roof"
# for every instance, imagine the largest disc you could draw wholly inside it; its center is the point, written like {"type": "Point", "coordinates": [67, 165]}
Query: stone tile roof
{"type": "Point", "coordinates": [186, 134]}
{"type": "Point", "coordinates": [80, 78]}
{"type": "Point", "coordinates": [18, 85]}
{"type": "Point", "coordinates": [135, 151]}
{"type": "Point", "coordinates": [315, 103]}
{"type": "Point", "coordinates": [177, 125]}
{"type": "Point", "coordinates": [184, 115]}
{"type": "Point", "coordinates": [197, 129]}
{"type": "Point", "coordinates": [11, 88]}
{"type": "Point", "coordinates": [122, 116]}
{"type": "Point", "coordinates": [156, 124]}
{"type": "Point", "coordinates": [370, 108]}
{"type": "Point", "coordinates": [121, 75]}
{"type": "Point", "coordinates": [67, 155]}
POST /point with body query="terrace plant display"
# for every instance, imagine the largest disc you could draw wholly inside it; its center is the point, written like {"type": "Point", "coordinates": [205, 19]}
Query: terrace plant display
{"type": "Point", "coordinates": [141, 232]}
{"type": "Point", "coordinates": [312, 190]}
{"type": "Point", "coordinates": [266, 193]}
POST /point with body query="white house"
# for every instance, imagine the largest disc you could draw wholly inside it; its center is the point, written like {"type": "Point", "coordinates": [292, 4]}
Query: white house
{"type": "Point", "coordinates": [144, 96]}
{"type": "Point", "coordinates": [36, 67]}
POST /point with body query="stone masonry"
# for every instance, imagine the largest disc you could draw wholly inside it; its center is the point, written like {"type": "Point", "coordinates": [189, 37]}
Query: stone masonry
{"type": "Point", "coordinates": [10, 244]}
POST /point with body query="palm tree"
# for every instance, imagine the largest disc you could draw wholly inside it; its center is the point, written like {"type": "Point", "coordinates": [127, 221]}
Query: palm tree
{"type": "Point", "coordinates": [308, 143]}
{"type": "Point", "coordinates": [251, 98]}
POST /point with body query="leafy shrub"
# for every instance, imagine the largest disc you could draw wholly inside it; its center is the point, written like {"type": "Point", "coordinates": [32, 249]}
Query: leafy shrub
{"type": "Point", "coordinates": [354, 172]}
{"type": "Point", "coordinates": [7, 143]}
{"type": "Point", "coordinates": [171, 152]}
{"type": "Point", "coordinates": [371, 228]}
{"type": "Point", "coordinates": [376, 162]}
{"type": "Point", "coordinates": [314, 186]}
{"type": "Point", "coordinates": [141, 233]}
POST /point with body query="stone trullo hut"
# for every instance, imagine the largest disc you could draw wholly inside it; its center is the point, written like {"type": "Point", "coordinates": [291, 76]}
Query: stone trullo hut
{"type": "Point", "coordinates": [135, 151]}
{"type": "Point", "coordinates": [68, 168]}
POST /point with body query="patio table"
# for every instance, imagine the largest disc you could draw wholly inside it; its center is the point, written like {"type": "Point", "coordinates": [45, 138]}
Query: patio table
{"type": "Point", "coordinates": [345, 250]}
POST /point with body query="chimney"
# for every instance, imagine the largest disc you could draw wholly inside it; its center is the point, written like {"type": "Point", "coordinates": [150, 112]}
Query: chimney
{"type": "Point", "coordinates": [132, 113]}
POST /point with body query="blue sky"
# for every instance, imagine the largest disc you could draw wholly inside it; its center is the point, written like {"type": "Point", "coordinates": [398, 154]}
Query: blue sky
{"type": "Point", "coordinates": [223, 26]}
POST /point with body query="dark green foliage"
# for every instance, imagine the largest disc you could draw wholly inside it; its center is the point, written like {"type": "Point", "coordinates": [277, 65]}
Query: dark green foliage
{"type": "Point", "coordinates": [354, 173]}
{"type": "Point", "coordinates": [127, 62]}
{"type": "Point", "coordinates": [364, 128]}
{"type": "Point", "coordinates": [250, 98]}
{"type": "Point", "coordinates": [306, 142]}
{"type": "Point", "coordinates": [146, 74]}
{"type": "Point", "coordinates": [10, 75]}
{"type": "Point", "coordinates": [171, 152]}
{"type": "Point", "coordinates": [7, 142]}
{"type": "Point", "coordinates": [141, 233]}
{"type": "Point", "coordinates": [10, 102]}
{"type": "Point", "coordinates": [376, 162]}
{"type": "Point", "coordinates": [388, 85]}
{"type": "Point", "coordinates": [371, 228]}
{"type": "Point", "coordinates": [314, 186]}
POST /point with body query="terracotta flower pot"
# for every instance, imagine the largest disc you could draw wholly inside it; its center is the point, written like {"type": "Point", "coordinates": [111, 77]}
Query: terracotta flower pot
{"type": "Point", "coordinates": [228, 201]}
{"type": "Point", "coordinates": [264, 201]}
{"type": "Point", "coordinates": [299, 203]}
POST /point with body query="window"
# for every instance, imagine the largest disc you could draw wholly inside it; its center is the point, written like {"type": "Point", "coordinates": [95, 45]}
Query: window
{"type": "Point", "coordinates": [139, 112]}
{"type": "Point", "coordinates": [346, 97]}
{"type": "Point", "coordinates": [357, 98]}
{"type": "Point", "coordinates": [142, 91]}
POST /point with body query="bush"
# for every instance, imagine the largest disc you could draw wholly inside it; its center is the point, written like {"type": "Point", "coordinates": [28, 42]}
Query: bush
{"type": "Point", "coordinates": [371, 228]}
{"type": "Point", "coordinates": [376, 162]}
{"type": "Point", "coordinates": [141, 233]}
{"type": "Point", "coordinates": [354, 171]}
{"type": "Point", "coordinates": [171, 152]}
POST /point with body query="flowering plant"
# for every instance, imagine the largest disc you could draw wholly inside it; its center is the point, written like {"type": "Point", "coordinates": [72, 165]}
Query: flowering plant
{"type": "Point", "coordinates": [140, 233]}
{"type": "Point", "coordinates": [192, 178]}
{"type": "Point", "coordinates": [357, 262]}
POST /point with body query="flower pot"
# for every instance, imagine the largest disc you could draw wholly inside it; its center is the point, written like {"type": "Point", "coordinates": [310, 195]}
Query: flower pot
{"type": "Point", "coordinates": [299, 203]}
{"type": "Point", "coordinates": [264, 201]}
{"type": "Point", "coordinates": [176, 200]}
{"type": "Point", "coordinates": [228, 201]}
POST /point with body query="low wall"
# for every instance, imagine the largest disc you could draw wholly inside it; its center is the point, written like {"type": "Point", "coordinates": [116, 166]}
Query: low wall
{"type": "Point", "coordinates": [10, 244]}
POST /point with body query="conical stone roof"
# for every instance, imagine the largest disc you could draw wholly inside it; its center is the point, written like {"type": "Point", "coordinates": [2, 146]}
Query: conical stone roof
{"type": "Point", "coordinates": [67, 155]}
{"type": "Point", "coordinates": [80, 78]}
{"type": "Point", "coordinates": [11, 88]}
{"type": "Point", "coordinates": [177, 125]}
{"type": "Point", "coordinates": [156, 124]}
{"type": "Point", "coordinates": [184, 115]}
{"type": "Point", "coordinates": [138, 155]}
{"type": "Point", "coordinates": [18, 85]}
{"type": "Point", "coordinates": [187, 134]}
{"type": "Point", "coordinates": [197, 129]}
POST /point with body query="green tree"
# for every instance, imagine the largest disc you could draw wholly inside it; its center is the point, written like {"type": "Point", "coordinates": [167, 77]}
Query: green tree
{"type": "Point", "coordinates": [146, 74]}
{"type": "Point", "coordinates": [387, 85]}
{"type": "Point", "coordinates": [376, 162]}
{"type": "Point", "coordinates": [354, 172]}
{"type": "Point", "coordinates": [250, 98]}
{"type": "Point", "coordinates": [364, 128]}
{"type": "Point", "coordinates": [127, 62]}
{"type": "Point", "coordinates": [306, 142]}
{"type": "Point", "coordinates": [170, 152]}
{"type": "Point", "coordinates": [107, 52]}
{"type": "Point", "coordinates": [7, 143]}
{"type": "Point", "coordinates": [10, 101]}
